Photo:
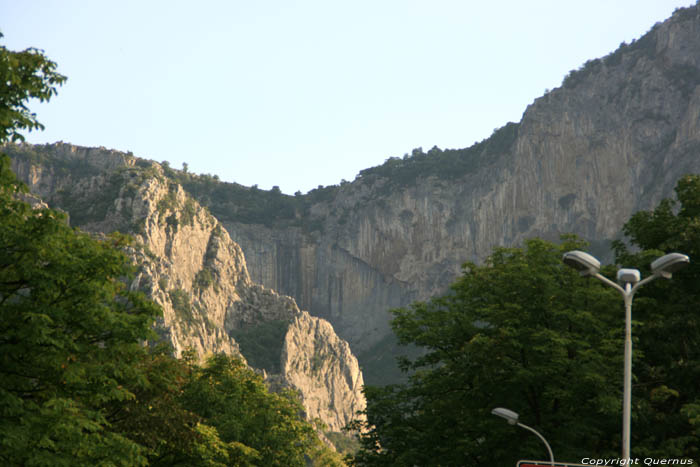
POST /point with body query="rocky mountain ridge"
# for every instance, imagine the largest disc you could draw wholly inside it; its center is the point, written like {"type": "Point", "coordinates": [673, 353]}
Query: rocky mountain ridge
{"type": "Point", "coordinates": [612, 140]}
{"type": "Point", "coordinates": [189, 265]}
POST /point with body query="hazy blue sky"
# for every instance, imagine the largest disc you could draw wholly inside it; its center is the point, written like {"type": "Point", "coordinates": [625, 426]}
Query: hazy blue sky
{"type": "Point", "coordinates": [306, 93]}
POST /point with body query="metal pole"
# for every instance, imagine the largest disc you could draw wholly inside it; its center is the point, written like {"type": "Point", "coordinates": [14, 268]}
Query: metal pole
{"type": "Point", "coordinates": [627, 394]}
{"type": "Point", "coordinates": [661, 267]}
{"type": "Point", "coordinates": [551, 456]}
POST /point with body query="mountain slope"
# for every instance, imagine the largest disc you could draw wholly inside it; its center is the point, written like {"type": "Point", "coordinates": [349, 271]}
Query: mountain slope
{"type": "Point", "coordinates": [612, 140]}
{"type": "Point", "coordinates": [188, 264]}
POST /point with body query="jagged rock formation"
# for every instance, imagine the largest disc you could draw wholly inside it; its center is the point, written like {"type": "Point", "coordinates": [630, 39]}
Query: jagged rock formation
{"type": "Point", "coordinates": [189, 265]}
{"type": "Point", "coordinates": [314, 358]}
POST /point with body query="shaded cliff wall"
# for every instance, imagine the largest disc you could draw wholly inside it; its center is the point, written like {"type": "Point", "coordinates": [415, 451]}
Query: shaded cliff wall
{"type": "Point", "coordinates": [325, 279]}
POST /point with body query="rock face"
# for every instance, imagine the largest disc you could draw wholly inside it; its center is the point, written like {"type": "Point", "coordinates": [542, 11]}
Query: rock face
{"type": "Point", "coordinates": [325, 277]}
{"type": "Point", "coordinates": [189, 265]}
{"type": "Point", "coordinates": [315, 359]}
{"type": "Point", "coordinates": [613, 140]}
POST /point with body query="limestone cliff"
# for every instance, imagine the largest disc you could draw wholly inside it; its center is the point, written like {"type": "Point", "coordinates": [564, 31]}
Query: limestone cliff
{"type": "Point", "coordinates": [612, 140]}
{"type": "Point", "coordinates": [314, 358]}
{"type": "Point", "coordinates": [189, 265]}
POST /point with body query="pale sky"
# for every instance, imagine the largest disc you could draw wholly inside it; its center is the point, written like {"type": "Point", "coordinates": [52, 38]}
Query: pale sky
{"type": "Point", "coordinates": [305, 93]}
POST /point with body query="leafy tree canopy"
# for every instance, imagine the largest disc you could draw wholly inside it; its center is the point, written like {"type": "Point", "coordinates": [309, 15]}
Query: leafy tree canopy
{"type": "Point", "coordinates": [70, 333]}
{"type": "Point", "coordinates": [24, 75]}
{"type": "Point", "coordinates": [665, 392]}
{"type": "Point", "coordinates": [69, 329]}
{"type": "Point", "coordinates": [257, 428]}
{"type": "Point", "coordinates": [522, 331]}
{"type": "Point", "coordinates": [526, 333]}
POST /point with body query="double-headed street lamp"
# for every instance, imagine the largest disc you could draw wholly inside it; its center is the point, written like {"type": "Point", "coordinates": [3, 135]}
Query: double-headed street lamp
{"type": "Point", "coordinates": [512, 418]}
{"type": "Point", "coordinates": [629, 280]}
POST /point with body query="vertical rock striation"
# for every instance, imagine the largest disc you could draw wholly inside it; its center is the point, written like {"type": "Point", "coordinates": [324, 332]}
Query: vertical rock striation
{"type": "Point", "coordinates": [612, 140]}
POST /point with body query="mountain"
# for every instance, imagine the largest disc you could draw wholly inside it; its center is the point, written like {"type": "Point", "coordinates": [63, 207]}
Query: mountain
{"type": "Point", "coordinates": [188, 264]}
{"type": "Point", "coordinates": [612, 140]}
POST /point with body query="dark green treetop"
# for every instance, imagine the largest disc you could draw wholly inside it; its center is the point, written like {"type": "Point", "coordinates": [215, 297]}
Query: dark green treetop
{"type": "Point", "coordinates": [70, 332]}
{"type": "Point", "coordinates": [24, 75]}
{"type": "Point", "coordinates": [522, 331]}
{"type": "Point", "coordinates": [665, 392]}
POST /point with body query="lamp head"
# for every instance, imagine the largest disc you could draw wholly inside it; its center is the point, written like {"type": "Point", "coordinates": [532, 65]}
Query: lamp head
{"type": "Point", "coordinates": [509, 415]}
{"type": "Point", "coordinates": [668, 264]}
{"type": "Point", "coordinates": [628, 276]}
{"type": "Point", "coordinates": [582, 262]}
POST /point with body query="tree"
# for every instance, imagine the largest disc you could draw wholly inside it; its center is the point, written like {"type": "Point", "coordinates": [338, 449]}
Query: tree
{"type": "Point", "coordinates": [69, 329]}
{"type": "Point", "coordinates": [522, 331]}
{"type": "Point", "coordinates": [156, 419]}
{"type": "Point", "coordinates": [74, 376]}
{"type": "Point", "coordinates": [257, 427]}
{"type": "Point", "coordinates": [24, 75]}
{"type": "Point", "coordinates": [665, 391]}
{"type": "Point", "coordinates": [70, 332]}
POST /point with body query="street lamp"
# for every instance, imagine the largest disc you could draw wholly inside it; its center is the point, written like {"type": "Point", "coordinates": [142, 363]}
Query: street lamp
{"type": "Point", "coordinates": [630, 282]}
{"type": "Point", "coordinates": [512, 418]}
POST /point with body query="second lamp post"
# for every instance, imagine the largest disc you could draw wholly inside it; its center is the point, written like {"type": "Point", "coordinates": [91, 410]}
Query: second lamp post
{"type": "Point", "coordinates": [629, 283]}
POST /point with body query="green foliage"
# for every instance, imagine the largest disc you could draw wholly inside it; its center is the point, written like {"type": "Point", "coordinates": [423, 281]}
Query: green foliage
{"type": "Point", "coordinates": [576, 77]}
{"type": "Point", "coordinates": [380, 362]}
{"type": "Point", "coordinates": [42, 155]}
{"type": "Point", "coordinates": [167, 202]}
{"type": "Point", "coordinates": [172, 221]}
{"type": "Point", "coordinates": [345, 443]}
{"type": "Point", "coordinates": [257, 427]}
{"type": "Point", "coordinates": [182, 304]}
{"type": "Point", "coordinates": [526, 333]}
{"type": "Point", "coordinates": [665, 393]}
{"type": "Point", "coordinates": [70, 338]}
{"type": "Point", "coordinates": [24, 75]}
{"type": "Point", "coordinates": [156, 419]}
{"type": "Point", "coordinates": [231, 202]}
{"type": "Point", "coordinates": [95, 208]}
{"type": "Point", "coordinates": [78, 388]}
{"type": "Point", "coordinates": [234, 202]}
{"type": "Point", "coordinates": [685, 77]}
{"type": "Point", "coordinates": [204, 279]}
{"type": "Point", "coordinates": [262, 345]}
{"type": "Point", "coordinates": [522, 331]}
{"type": "Point", "coordinates": [448, 164]}
{"type": "Point", "coordinates": [188, 212]}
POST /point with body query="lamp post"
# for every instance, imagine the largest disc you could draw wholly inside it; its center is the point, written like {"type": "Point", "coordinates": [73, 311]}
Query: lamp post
{"type": "Point", "coordinates": [512, 418]}
{"type": "Point", "coordinates": [629, 283]}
